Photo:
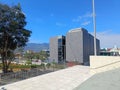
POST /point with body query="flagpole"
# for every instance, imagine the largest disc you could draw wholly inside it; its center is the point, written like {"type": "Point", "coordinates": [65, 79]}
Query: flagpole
{"type": "Point", "coordinates": [94, 24]}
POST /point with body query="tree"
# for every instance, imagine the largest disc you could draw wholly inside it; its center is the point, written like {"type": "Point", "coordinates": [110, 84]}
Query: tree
{"type": "Point", "coordinates": [12, 32]}
{"type": "Point", "coordinates": [29, 56]}
{"type": "Point", "coordinates": [43, 55]}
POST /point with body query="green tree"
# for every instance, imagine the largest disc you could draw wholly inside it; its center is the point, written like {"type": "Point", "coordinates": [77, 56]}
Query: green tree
{"type": "Point", "coordinates": [28, 62]}
{"type": "Point", "coordinates": [43, 55]}
{"type": "Point", "coordinates": [36, 56]}
{"type": "Point", "coordinates": [12, 32]}
{"type": "Point", "coordinates": [29, 56]}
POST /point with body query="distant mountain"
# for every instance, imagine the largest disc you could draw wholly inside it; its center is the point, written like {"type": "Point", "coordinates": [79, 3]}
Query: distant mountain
{"type": "Point", "coordinates": [37, 47]}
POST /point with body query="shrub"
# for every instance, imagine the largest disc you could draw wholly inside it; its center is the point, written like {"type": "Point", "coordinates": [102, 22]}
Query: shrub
{"type": "Point", "coordinates": [28, 62]}
{"type": "Point", "coordinates": [43, 66]}
{"type": "Point", "coordinates": [33, 66]}
{"type": "Point", "coordinates": [48, 65]}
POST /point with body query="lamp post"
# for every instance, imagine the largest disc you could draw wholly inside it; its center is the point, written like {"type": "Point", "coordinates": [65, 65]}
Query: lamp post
{"type": "Point", "coordinates": [94, 24]}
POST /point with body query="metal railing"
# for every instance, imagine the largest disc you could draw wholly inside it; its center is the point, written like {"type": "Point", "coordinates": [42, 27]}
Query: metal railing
{"type": "Point", "coordinates": [21, 75]}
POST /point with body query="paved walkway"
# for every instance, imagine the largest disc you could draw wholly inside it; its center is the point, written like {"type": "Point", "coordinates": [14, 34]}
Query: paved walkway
{"type": "Point", "coordinates": [66, 79]}
{"type": "Point", "coordinates": [109, 80]}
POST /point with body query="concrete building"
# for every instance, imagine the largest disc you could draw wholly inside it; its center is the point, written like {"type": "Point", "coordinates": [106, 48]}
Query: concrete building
{"type": "Point", "coordinates": [80, 45]}
{"type": "Point", "coordinates": [115, 51]}
{"type": "Point", "coordinates": [57, 49]}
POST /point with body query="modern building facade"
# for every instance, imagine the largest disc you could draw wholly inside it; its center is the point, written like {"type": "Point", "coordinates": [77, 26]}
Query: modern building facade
{"type": "Point", "coordinates": [57, 49]}
{"type": "Point", "coordinates": [80, 45]}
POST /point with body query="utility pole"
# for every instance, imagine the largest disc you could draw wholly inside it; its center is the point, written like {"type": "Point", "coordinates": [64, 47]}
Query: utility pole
{"type": "Point", "coordinates": [94, 24]}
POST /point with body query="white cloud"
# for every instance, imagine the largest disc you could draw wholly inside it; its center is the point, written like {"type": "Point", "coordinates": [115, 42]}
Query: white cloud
{"type": "Point", "coordinates": [83, 19]}
{"type": "Point", "coordinates": [78, 19]}
{"type": "Point", "coordinates": [85, 23]}
{"type": "Point", "coordinates": [108, 39]}
{"type": "Point", "coordinates": [88, 15]}
{"type": "Point", "coordinates": [85, 16]}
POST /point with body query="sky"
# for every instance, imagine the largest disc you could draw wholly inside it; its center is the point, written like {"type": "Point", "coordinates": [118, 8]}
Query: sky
{"type": "Point", "coordinates": [49, 18]}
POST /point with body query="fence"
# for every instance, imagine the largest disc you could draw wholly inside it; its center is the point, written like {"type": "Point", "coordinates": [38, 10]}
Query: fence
{"type": "Point", "coordinates": [24, 74]}
{"type": "Point", "coordinates": [21, 75]}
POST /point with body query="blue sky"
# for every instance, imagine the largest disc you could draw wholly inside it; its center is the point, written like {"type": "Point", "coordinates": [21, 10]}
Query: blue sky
{"type": "Point", "coordinates": [48, 18]}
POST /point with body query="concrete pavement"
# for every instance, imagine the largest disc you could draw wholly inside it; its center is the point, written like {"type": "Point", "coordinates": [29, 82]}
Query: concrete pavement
{"type": "Point", "coordinates": [66, 79]}
{"type": "Point", "coordinates": [109, 80]}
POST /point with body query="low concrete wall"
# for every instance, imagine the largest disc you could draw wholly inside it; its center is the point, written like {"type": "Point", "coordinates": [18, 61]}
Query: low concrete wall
{"type": "Point", "coordinates": [104, 63]}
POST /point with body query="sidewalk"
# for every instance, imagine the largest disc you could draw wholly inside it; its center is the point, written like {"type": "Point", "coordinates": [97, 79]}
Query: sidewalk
{"type": "Point", "coordinates": [66, 79]}
{"type": "Point", "coordinates": [109, 80]}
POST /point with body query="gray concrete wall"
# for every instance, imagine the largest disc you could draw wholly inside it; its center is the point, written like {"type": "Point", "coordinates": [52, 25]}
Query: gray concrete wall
{"type": "Point", "coordinates": [98, 46]}
{"type": "Point", "coordinates": [54, 49]}
{"type": "Point", "coordinates": [57, 51]}
{"type": "Point", "coordinates": [74, 46]}
{"type": "Point", "coordinates": [91, 45]}
{"type": "Point", "coordinates": [79, 45]}
{"type": "Point", "coordinates": [86, 47]}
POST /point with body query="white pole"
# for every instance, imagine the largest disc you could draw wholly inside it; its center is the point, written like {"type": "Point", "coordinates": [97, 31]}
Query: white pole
{"type": "Point", "coordinates": [94, 23]}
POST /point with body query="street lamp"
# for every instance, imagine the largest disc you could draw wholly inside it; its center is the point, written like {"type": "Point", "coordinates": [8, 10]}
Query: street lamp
{"type": "Point", "coordinates": [94, 24]}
